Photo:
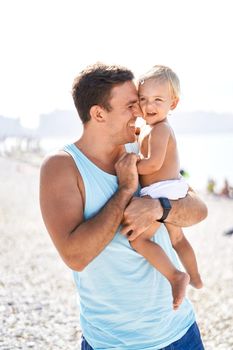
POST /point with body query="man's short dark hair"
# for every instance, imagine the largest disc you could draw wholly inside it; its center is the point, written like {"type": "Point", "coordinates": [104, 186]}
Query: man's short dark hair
{"type": "Point", "coordinates": [93, 87]}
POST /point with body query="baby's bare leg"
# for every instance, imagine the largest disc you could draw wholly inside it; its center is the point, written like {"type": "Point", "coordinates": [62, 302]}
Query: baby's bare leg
{"type": "Point", "coordinates": [185, 253]}
{"type": "Point", "coordinates": [157, 257]}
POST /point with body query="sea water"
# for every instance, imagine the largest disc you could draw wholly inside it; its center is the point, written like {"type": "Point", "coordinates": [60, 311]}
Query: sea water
{"type": "Point", "coordinates": [206, 156]}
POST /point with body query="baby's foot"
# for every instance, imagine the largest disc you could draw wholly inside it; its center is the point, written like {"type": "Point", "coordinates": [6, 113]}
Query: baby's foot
{"type": "Point", "coordinates": [179, 284]}
{"type": "Point", "coordinates": [195, 281]}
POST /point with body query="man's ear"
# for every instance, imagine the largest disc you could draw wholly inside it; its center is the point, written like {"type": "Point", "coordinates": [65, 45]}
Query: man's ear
{"type": "Point", "coordinates": [174, 103]}
{"type": "Point", "coordinates": [97, 113]}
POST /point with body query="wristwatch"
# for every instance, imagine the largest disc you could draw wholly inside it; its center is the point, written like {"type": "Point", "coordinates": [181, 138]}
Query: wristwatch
{"type": "Point", "coordinates": [166, 205]}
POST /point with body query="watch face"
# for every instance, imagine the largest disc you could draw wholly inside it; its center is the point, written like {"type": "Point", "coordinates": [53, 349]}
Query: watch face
{"type": "Point", "coordinates": [165, 203]}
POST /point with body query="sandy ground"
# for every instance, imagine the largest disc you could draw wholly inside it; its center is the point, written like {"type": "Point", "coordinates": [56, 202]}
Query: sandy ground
{"type": "Point", "coordinates": [37, 297]}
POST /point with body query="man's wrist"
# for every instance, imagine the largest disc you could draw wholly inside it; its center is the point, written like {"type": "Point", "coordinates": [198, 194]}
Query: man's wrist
{"type": "Point", "coordinates": [166, 207]}
{"type": "Point", "coordinates": [158, 210]}
{"type": "Point", "coordinates": [125, 194]}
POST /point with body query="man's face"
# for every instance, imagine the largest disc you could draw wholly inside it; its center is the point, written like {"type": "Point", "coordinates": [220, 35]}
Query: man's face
{"type": "Point", "coordinates": [125, 109]}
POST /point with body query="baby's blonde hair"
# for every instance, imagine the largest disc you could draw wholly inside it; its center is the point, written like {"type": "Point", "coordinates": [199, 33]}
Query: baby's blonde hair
{"type": "Point", "coordinates": [163, 73]}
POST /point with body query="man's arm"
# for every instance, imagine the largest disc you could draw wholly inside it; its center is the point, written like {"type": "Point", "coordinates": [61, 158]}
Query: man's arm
{"type": "Point", "coordinates": [78, 241]}
{"type": "Point", "coordinates": [141, 213]}
{"type": "Point", "coordinates": [187, 211]}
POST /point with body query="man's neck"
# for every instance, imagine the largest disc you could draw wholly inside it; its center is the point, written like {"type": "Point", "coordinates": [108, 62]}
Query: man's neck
{"type": "Point", "coordinates": [101, 152]}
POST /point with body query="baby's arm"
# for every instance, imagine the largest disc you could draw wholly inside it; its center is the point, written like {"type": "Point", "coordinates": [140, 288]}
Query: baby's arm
{"type": "Point", "coordinates": [157, 147]}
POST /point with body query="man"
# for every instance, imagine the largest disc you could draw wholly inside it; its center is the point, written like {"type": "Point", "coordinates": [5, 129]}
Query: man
{"type": "Point", "coordinates": [88, 205]}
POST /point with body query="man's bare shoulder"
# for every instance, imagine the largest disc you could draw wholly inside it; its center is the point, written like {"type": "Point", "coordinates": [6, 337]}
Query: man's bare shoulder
{"type": "Point", "coordinates": [56, 160]}
{"type": "Point", "coordinates": [58, 163]}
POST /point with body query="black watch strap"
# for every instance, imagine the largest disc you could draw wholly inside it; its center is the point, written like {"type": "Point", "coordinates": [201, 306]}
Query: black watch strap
{"type": "Point", "coordinates": [166, 205]}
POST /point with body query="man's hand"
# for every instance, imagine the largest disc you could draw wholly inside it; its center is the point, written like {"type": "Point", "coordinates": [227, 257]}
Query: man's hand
{"type": "Point", "coordinates": [126, 171]}
{"type": "Point", "coordinates": [140, 214]}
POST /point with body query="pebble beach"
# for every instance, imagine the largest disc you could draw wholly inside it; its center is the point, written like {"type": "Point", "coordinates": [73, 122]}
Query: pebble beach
{"type": "Point", "coordinates": [38, 308]}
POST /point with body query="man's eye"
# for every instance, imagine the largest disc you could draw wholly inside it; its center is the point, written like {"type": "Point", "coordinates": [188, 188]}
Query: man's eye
{"type": "Point", "coordinates": [158, 100]}
{"type": "Point", "coordinates": [141, 99]}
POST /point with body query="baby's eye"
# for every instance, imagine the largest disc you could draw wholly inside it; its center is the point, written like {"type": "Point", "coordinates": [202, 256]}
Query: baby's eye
{"type": "Point", "coordinates": [158, 100]}
{"type": "Point", "coordinates": [141, 99]}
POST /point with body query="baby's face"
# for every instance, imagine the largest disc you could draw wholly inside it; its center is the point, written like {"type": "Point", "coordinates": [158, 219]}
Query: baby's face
{"type": "Point", "coordinates": [155, 100]}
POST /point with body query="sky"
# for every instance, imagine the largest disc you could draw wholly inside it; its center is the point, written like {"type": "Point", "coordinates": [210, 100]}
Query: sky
{"type": "Point", "coordinates": [45, 43]}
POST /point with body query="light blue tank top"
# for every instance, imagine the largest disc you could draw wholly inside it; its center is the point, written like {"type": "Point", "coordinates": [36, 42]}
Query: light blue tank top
{"type": "Point", "coordinates": [125, 303]}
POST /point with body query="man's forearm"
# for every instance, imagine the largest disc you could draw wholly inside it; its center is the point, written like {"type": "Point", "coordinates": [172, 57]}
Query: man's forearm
{"type": "Point", "coordinates": [187, 211]}
{"type": "Point", "coordinates": [141, 213]}
{"type": "Point", "coordinates": [88, 239]}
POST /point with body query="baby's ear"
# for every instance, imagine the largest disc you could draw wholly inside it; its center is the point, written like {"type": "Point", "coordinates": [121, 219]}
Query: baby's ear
{"type": "Point", "coordinates": [174, 103]}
